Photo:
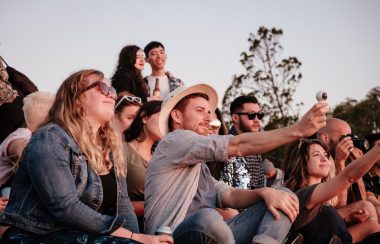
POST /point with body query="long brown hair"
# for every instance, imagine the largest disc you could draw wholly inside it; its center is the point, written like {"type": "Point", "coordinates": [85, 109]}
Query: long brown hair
{"type": "Point", "coordinates": [68, 112]}
{"type": "Point", "coordinates": [296, 173]}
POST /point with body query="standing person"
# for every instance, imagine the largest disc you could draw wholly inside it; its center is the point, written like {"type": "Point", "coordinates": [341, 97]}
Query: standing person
{"type": "Point", "coordinates": [246, 116]}
{"type": "Point", "coordinates": [159, 79]}
{"type": "Point", "coordinates": [128, 75]}
{"type": "Point", "coordinates": [307, 173]}
{"type": "Point", "coordinates": [70, 185]}
{"type": "Point", "coordinates": [180, 191]}
{"type": "Point", "coordinates": [126, 108]}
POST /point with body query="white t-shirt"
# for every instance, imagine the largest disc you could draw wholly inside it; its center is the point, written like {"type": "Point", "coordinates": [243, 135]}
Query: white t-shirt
{"type": "Point", "coordinates": [164, 84]}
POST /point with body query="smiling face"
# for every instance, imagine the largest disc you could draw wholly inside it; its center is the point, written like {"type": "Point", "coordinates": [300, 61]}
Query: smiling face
{"type": "Point", "coordinates": [318, 164]}
{"type": "Point", "coordinates": [157, 58]}
{"type": "Point", "coordinates": [140, 60]}
{"type": "Point", "coordinates": [196, 116]}
{"type": "Point", "coordinates": [99, 108]}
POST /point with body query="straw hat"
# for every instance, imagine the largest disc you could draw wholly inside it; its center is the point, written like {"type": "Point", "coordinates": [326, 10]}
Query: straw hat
{"type": "Point", "coordinates": [175, 96]}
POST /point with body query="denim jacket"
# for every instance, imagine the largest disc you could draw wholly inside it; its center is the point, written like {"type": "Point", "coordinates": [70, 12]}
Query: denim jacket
{"type": "Point", "coordinates": [55, 189]}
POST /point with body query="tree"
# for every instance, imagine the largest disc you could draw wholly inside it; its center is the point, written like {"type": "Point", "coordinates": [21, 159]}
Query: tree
{"type": "Point", "coordinates": [271, 79]}
{"type": "Point", "coordinates": [364, 116]}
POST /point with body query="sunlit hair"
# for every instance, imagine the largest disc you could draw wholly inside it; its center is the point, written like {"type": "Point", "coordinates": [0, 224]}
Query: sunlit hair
{"type": "Point", "coordinates": [136, 130]}
{"type": "Point", "coordinates": [36, 108]}
{"type": "Point", "coordinates": [296, 173]}
{"type": "Point", "coordinates": [68, 112]}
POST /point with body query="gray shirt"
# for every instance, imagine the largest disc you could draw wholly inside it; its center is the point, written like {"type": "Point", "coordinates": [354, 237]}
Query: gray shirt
{"type": "Point", "coordinates": [173, 175]}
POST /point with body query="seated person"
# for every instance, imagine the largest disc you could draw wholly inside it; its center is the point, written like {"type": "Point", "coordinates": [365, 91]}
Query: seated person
{"type": "Point", "coordinates": [308, 173]}
{"type": "Point", "coordinates": [71, 184]}
{"type": "Point", "coordinates": [126, 108]}
{"type": "Point", "coordinates": [274, 176]}
{"type": "Point", "coordinates": [140, 137]}
{"type": "Point", "coordinates": [180, 191]}
{"type": "Point", "coordinates": [36, 107]}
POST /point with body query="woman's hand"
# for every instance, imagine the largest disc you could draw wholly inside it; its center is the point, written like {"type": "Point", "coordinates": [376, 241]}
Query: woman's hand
{"type": "Point", "coordinates": [3, 203]}
{"type": "Point", "coordinates": [153, 239]}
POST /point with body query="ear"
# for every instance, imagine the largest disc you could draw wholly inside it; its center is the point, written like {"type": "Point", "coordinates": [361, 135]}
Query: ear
{"type": "Point", "coordinates": [235, 118]}
{"type": "Point", "coordinates": [144, 119]}
{"type": "Point", "coordinates": [176, 116]}
{"type": "Point", "coordinates": [324, 138]}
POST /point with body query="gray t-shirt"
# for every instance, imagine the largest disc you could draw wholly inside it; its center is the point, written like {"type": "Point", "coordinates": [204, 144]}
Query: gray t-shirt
{"type": "Point", "coordinates": [206, 193]}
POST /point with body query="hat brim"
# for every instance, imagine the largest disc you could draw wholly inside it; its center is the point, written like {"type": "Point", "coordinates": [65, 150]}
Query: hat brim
{"type": "Point", "coordinates": [171, 100]}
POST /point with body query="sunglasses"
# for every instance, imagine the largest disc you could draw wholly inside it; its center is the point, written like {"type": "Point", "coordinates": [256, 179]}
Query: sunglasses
{"type": "Point", "coordinates": [252, 116]}
{"type": "Point", "coordinates": [129, 99]}
{"type": "Point", "coordinates": [104, 89]}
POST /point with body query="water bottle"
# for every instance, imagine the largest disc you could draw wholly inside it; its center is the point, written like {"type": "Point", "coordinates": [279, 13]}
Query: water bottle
{"type": "Point", "coordinates": [164, 230]}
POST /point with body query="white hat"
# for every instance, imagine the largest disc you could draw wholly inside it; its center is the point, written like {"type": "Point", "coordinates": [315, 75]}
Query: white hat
{"type": "Point", "coordinates": [175, 96]}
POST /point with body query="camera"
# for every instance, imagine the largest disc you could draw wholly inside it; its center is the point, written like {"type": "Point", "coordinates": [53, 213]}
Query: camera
{"type": "Point", "coordinates": [360, 143]}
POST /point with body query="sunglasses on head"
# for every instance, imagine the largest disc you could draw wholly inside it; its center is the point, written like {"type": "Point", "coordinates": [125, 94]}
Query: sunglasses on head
{"type": "Point", "coordinates": [129, 99]}
{"type": "Point", "coordinates": [252, 116]}
{"type": "Point", "coordinates": [104, 89]}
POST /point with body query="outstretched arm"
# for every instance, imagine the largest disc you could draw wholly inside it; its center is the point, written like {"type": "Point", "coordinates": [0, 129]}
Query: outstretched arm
{"type": "Point", "coordinates": [260, 142]}
{"type": "Point", "coordinates": [352, 173]}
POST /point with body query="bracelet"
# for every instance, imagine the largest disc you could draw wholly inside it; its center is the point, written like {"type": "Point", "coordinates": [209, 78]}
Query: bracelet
{"type": "Point", "coordinates": [131, 235]}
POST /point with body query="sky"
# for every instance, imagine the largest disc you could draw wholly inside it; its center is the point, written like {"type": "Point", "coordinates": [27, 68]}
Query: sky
{"type": "Point", "coordinates": [337, 41]}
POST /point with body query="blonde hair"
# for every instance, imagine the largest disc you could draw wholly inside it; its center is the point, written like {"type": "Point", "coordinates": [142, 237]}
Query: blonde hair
{"type": "Point", "coordinates": [68, 112]}
{"type": "Point", "coordinates": [36, 108]}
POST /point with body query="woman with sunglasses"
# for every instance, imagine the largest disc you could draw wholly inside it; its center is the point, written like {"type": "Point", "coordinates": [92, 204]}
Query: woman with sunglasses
{"type": "Point", "coordinates": [70, 186]}
{"type": "Point", "coordinates": [126, 108]}
{"type": "Point", "coordinates": [308, 174]}
{"type": "Point", "coordinates": [128, 75]}
{"type": "Point", "coordinates": [140, 138]}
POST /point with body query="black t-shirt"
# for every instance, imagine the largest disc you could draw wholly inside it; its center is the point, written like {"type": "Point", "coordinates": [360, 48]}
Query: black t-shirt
{"type": "Point", "coordinates": [319, 224]}
{"type": "Point", "coordinates": [108, 206]}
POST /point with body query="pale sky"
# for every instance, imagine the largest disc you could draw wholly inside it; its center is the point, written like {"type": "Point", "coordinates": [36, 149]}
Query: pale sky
{"type": "Point", "coordinates": [336, 41]}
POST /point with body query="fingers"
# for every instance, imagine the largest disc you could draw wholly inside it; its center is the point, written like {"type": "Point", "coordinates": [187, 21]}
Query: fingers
{"type": "Point", "coordinates": [274, 212]}
{"type": "Point", "coordinates": [166, 239]}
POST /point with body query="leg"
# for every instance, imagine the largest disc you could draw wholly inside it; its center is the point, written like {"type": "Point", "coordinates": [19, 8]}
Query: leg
{"type": "Point", "coordinates": [256, 224]}
{"type": "Point", "coordinates": [203, 226]}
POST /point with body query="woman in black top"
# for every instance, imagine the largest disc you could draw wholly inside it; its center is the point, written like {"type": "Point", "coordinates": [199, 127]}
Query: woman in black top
{"type": "Point", "coordinates": [308, 174]}
{"type": "Point", "coordinates": [128, 75]}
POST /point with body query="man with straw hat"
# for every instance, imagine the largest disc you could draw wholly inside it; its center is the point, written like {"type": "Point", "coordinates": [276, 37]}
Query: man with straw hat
{"type": "Point", "coordinates": [180, 191]}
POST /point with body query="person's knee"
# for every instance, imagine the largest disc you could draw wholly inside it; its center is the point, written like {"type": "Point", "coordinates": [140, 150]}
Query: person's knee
{"type": "Point", "coordinates": [205, 224]}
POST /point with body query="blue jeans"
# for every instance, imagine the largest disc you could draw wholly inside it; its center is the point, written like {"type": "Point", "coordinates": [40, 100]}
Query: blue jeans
{"type": "Point", "coordinates": [17, 235]}
{"type": "Point", "coordinates": [255, 224]}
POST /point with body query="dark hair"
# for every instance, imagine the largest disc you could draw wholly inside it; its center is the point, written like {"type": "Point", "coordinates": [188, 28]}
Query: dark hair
{"type": "Point", "coordinates": [223, 128]}
{"type": "Point", "coordinates": [181, 105]}
{"type": "Point", "coordinates": [126, 64]}
{"type": "Point", "coordinates": [237, 104]}
{"type": "Point", "coordinates": [151, 45]}
{"type": "Point", "coordinates": [135, 131]}
{"type": "Point", "coordinates": [295, 174]}
{"type": "Point", "coordinates": [372, 138]}
{"type": "Point", "coordinates": [125, 103]}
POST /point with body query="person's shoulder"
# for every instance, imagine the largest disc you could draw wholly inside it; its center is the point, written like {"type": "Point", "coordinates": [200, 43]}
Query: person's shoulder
{"type": "Point", "coordinates": [54, 132]}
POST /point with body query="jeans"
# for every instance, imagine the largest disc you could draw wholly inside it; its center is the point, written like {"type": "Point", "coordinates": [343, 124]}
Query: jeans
{"type": "Point", "coordinates": [255, 224]}
{"type": "Point", "coordinates": [17, 235]}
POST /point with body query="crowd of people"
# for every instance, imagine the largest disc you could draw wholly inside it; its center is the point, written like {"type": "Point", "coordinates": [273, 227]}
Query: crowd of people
{"type": "Point", "coordinates": [112, 161]}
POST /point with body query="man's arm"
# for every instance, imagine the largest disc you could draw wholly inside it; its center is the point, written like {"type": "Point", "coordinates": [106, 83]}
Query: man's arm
{"type": "Point", "coordinates": [274, 199]}
{"type": "Point", "coordinates": [260, 142]}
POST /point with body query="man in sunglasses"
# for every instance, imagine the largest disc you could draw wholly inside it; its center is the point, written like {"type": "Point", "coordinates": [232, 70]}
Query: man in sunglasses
{"type": "Point", "coordinates": [246, 116]}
